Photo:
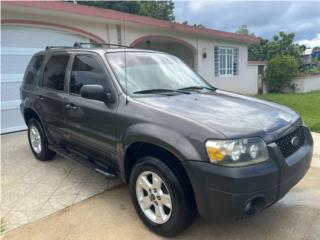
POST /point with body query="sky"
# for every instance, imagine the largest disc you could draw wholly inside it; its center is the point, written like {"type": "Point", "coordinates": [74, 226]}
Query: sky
{"type": "Point", "coordinates": [264, 18]}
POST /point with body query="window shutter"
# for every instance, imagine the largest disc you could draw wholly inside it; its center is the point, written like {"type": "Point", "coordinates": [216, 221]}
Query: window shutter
{"type": "Point", "coordinates": [216, 61]}
{"type": "Point", "coordinates": [235, 61]}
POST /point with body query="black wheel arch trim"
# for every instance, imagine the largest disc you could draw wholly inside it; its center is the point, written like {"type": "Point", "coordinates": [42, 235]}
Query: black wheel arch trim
{"type": "Point", "coordinates": [25, 106]}
{"type": "Point", "coordinates": [164, 138]}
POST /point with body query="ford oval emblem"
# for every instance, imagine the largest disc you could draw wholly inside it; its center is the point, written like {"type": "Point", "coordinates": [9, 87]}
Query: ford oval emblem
{"type": "Point", "coordinates": [295, 141]}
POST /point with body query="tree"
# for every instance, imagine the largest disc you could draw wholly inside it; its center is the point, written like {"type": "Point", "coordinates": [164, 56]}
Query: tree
{"type": "Point", "coordinates": [243, 30]}
{"type": "Point", "coordinates": [194, 25]}
{"type": "Point", "coordinates": [258, 52]}
{"type": "Point", "coordinates": [199, 25]}
{"type": "Point", "coordinates": [281, 44]}
{"type": "Point", "coordinates": [156, 9]}
{"type": "Point", "coordinates": [123, 6]}
{"type": "Point", "coordinates": [281, 70]}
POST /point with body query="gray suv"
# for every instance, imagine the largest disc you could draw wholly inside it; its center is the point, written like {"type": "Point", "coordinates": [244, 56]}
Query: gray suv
{"type": "Point", "coordinates": [183, 146]}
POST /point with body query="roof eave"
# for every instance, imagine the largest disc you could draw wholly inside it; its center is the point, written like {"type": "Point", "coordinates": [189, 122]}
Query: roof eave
{"type": "Point", "coordinates": [121, 16]}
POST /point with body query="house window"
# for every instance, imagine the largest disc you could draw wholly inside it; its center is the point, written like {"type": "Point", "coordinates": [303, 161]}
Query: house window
{"type": "Point", "coordinates": [226, 61]}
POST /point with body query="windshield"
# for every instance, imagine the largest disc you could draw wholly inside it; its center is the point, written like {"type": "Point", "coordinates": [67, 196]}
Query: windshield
{"type": "Point", "coordinates": [147, 72]}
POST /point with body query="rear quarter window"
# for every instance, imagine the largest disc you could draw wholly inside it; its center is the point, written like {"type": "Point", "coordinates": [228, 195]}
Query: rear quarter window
{"type": "Point", "coordinates": [32, 71]}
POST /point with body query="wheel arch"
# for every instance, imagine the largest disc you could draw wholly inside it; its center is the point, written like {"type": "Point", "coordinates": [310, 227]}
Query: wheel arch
{"type": "Point", "coordinates": [169, 140]}
{"type": "Point", "coordinates": [139, 150]}
{"type": "Point", "coordinates": [29, 113]}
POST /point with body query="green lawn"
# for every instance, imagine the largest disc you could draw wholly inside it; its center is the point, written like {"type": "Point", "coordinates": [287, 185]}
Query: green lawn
{"type": "Point", "coordinates": [306, 104]}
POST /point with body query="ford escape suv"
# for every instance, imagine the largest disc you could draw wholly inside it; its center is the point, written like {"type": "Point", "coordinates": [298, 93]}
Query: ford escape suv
{"type": "Point", "coordinates": [184, 147]}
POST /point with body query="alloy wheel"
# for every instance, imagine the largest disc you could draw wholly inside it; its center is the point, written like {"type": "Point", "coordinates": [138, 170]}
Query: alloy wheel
{"type": "Point", "coordinates": [35, 139]}
{"type": "Point", "coordinates": [153, 197]}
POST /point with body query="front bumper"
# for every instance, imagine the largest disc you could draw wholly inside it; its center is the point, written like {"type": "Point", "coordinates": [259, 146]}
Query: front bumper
{"type": "Point", "coordinates": [225, 192]}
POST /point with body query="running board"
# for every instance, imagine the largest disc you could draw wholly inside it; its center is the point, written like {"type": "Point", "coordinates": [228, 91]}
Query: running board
{"type": "Point", "coordinates": [104, 173]}
{"type": "Point", "coordinates": [84, 160]}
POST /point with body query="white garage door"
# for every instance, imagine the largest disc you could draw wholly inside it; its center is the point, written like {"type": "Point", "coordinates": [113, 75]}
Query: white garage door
{"type": "Point", "coordinates": [18, 45]}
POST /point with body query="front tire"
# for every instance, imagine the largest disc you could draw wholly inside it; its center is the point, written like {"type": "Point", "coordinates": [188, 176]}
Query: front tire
{"type": "Point", "coordinates": [160, 197]}
{"type": "Point", "coordinates": [38, 141]}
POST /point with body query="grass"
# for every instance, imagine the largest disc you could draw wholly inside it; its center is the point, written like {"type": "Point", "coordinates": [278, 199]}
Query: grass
{"type": "Point", "coordinates": [306, 104]}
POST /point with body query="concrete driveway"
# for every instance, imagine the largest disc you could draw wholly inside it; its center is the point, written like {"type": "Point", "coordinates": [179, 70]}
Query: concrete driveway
{"type": "Point", "coordinates": [110, 215]}
{"type": "Point", "coordinates": [31, 189]}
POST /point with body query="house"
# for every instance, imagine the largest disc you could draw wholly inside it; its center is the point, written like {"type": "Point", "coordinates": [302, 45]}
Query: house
{"type": "Point", "coordinates": [309, 55]}
{"type": "Point", "coordinates": [27, 27]}
{"type": "Point", "coordinates": [306, 56]}
{"type": "Point", "coordinates": [316, 53]}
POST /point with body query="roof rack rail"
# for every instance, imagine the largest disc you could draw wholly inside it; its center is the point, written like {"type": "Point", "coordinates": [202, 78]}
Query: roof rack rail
{"type": "Point", "coordinates": [83, 44]}
{"type": "Point", "coordinates": [80, 44]}
{"type": "Point", "coordinates": [50, 47]}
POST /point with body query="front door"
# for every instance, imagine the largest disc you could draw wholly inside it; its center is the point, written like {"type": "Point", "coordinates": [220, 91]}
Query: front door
{"type": "Point", "coordinates": [90, 123]}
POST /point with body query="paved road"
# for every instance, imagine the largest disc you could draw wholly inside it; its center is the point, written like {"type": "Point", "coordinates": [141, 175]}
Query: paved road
{"type": "Point", "coordinates": [110, 215]}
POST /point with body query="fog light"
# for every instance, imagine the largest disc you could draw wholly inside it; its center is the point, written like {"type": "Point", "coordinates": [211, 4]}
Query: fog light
{"type": "Point", "coordinates": [248, 206]}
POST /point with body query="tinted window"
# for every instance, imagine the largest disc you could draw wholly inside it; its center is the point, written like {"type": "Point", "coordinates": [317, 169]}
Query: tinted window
{"type": "Point", "coordinates": [33, 68]}
{"type": "Point", "coordinates": [55, 71]}
{"type": "Point", "coordinates": [86, 70]}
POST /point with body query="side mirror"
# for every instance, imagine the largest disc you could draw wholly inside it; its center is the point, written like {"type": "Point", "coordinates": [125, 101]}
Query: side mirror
{"type": "Point", "coordinates": [96, 92]}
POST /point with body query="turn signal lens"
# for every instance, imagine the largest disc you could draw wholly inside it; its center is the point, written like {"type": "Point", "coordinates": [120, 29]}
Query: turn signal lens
{"type": "Point", "coordinates": [215, 153]}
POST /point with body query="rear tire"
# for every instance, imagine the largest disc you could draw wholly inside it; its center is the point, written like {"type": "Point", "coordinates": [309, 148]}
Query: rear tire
{"type": "Point", "coordinates": [38, 141]}
{"type": "Point", "coordinates": [177, 213]}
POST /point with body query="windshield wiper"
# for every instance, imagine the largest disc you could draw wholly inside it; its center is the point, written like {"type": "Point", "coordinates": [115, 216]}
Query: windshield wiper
{"type": "Point", "coordinates": [197, 88]}
{"type": "Point", "coordinates": [159, 91]}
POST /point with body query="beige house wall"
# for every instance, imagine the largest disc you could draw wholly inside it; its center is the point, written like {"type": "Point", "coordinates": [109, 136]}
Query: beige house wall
{"type": "Point", "coordinates": [246, 82]}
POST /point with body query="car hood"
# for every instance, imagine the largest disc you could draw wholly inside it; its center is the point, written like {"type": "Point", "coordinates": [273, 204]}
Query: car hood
{"type": "Point", "coordinates": [231, 114]}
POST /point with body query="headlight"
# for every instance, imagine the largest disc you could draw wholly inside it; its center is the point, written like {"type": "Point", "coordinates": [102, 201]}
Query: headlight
{"type": "Point", "coordinates": [236, 153]}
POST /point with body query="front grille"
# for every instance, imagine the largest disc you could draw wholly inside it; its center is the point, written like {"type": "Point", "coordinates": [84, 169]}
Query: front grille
{"type": "Point", "coordinates": [285, 143]}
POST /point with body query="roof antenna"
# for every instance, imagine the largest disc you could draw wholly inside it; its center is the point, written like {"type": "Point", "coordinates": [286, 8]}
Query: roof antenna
{"type": "Point", "coordinates": [125, 59]}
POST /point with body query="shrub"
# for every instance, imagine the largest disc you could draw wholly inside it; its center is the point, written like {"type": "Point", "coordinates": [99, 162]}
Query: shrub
{"type": "Point", "coordinates": [281, 70]}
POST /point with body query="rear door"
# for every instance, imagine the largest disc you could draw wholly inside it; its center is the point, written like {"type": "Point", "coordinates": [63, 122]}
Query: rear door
{"type": "Point", "coordinates": [90, 124]}
{"type": "Point", "coordinates": [51, 95]}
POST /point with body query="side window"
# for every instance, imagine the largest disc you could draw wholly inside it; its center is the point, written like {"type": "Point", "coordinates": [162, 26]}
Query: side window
{"type": "Point", "coordinates": [55, 71]}
{"type": "Point", "coordinates": [33, 69]}
{"type": "Point", "coordinates": [86, 70]}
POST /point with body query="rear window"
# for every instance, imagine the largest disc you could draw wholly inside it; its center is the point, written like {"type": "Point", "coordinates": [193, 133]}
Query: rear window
{"type": "Point", "coordinates": [55, 72]}
{"type": "Point", "coordinates": [33, 68]}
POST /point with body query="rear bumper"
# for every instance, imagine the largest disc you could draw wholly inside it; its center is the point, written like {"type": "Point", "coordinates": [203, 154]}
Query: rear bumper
{"type": "Point", "coordinates": [225, 192]}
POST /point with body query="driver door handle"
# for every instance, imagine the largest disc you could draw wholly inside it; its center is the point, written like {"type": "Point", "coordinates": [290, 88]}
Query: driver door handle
{"type": "Point", "coordinates": [40, 97]}
{"type": "Point", "coordinates": [71, 107]}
